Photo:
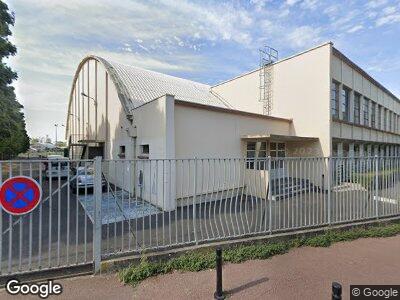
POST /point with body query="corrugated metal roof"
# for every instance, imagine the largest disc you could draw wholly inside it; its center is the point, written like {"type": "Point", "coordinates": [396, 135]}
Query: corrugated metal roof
{"type": "Point", "coordinates": [140, 86]}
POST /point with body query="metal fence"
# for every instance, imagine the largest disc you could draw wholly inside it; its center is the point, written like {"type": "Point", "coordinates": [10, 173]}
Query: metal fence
{"type": "Point", "coordinates": [104, 208]}
{"type": "Point", "coordinates": [59, 232]}
{"type": "Point", "coordinates": [169, 203]}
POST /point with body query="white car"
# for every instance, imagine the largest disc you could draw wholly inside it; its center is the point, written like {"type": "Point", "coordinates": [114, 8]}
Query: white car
{"type": "Point", "coordinates": [84, 179]}
{"type": "Point", "coordinates": [57, 166]}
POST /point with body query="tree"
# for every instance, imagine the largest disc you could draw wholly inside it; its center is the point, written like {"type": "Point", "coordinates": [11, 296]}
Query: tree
{"type": "Point", "coordinates": [13, 136]}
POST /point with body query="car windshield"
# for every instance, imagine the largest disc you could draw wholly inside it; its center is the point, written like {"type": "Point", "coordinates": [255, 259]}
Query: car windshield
{"type": "Point", "coordinates": [62, 165]}
{"type": "Point", "coordinates": [85, 172]}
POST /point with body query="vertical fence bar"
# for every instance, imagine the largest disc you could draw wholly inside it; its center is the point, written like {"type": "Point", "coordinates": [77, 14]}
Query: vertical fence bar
{"type": "Point", "coordinates": [194, 200]}
{"type": "Point", "coordinates": [329, 189]}
{"type": "Point", "coordinates": [97, 215]}
{"type": "Point", "coordinates": [1, 224]}
{"type": "Point", "coordinates": [376, 187]}
{"type": "Point", "coordinates": [270, 195]}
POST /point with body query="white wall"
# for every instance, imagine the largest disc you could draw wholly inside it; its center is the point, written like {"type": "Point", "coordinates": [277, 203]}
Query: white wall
{"type": "Point", "coordinates": [208, 134]}
{"type": "Point", "coordinates": [301, 87]}
{"type": "Point", "coordinates": [212, 134]}
{"type": "Point", "coordinates": [346, 75]}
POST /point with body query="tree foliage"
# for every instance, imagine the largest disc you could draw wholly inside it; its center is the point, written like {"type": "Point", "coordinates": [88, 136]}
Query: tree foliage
{"type": "Point", "coordinates": [13, 136]}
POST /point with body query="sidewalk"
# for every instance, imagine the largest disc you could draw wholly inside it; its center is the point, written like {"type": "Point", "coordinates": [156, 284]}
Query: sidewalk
{"type": "Point", "coordinates": [303, 273]}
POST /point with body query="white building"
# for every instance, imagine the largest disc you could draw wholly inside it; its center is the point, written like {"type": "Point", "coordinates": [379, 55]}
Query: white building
{"type": "Point", "coordinates": [322, 104]}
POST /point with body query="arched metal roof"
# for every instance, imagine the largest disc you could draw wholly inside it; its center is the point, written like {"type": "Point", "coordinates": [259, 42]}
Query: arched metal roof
{"type": "Point", "coordinates": [137, 86]}
{"type": "Point", "coordinates": [140, 86]}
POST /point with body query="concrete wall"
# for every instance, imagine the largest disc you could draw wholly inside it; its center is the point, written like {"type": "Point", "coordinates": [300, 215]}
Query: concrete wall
{"type": "Point", "coordinates": [212, 134]}
{"type": "Point", "coordinates": [206, 133]}
{"type": "Point", "coordinates": [301, 87]}
{"type": "Point", "coordinates": [107, 122]}
{"type": "Point", "coordinates": [347, 76]}
{"type": "Point", "coordinates": [154, 124]}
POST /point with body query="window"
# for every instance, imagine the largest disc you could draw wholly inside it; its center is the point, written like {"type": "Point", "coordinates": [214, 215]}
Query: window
{"type": "Point", "coordinates": [334, 100]}
{"type": "Point", "coordinates": [145, 149]}
{"type": "Point", "coordinates": [250, 154]}
{"type": "Point", "coordinates": [366, 112]}
{"type": "Point", "coordinates": [373, 113]}
{"type": "Point", "coordinates": [121, 153]}
{"type": "Point", "coordinates": [379, 118]}
{"type": "Point", "coordinates": [357, 109]}
{"type": "Point", "coordinates": [356, 150]}
{"type": "Point", "coordinates": [261, 156]}
{"type": "Point", "coordinates": [256, 152]}
{"type": "Point", "coordinates": [277, 150]}
{"type": "Point", "coordinates": [384, 119]}
{"type": "Point", "coordinates": [389, 120]}
{"type": "Point", "coordinates": [344, 99]}
{"type": "Point", "coordinates": [346, 149]}
{"type": "Point", "coordinates": [335, 149]}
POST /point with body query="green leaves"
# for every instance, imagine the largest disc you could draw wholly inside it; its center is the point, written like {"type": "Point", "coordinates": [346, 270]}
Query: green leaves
{"type": "Point", "coordinates": [13, 136]}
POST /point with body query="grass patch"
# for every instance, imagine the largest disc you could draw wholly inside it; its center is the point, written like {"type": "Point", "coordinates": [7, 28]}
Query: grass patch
{"type": "Point", "coordinates": [205, 259]}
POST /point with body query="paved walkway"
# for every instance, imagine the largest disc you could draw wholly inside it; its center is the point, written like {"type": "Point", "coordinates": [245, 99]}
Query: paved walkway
{"type": "Point", "coordinates": [304, 273]}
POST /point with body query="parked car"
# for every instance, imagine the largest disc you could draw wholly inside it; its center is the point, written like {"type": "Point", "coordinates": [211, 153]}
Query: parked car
{"type": "Point", "coordinates": [56, 166]}
{"type": "Point", "coordinates": [84, 179]}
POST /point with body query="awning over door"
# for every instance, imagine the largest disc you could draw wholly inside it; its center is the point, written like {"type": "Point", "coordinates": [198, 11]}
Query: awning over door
{"type": "Point", "coordinates": [279, 138]}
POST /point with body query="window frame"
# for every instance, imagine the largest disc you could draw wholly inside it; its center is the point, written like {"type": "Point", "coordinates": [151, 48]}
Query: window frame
{"type": "Point", "coordinates": [357, 109]}
{"type": "Point", "coordinates": [345, 103]}
{"type": "Point", "coordinates": [366, 112]}
{"type": "Point", "coordinates": [334, 100]}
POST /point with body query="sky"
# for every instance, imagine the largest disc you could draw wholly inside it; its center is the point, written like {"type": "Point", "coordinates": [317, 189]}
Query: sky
{"type": "Point", "coordinates": [204, 41]}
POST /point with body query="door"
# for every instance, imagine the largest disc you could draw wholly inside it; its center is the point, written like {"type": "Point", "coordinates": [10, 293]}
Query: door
{"type": "Point", "coordinates": [277, 151]}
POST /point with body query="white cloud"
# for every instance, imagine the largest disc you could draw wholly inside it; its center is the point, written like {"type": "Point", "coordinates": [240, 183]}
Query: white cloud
{"type": "Point", "coordinates": [389, 10]}
{"type": "Point", "coordinates": [375, 3]}
{"type": "Point", "coordinates": [292, 2]}
{"type": "Point", "coordinates": [355, 28]}
{"type": "Point", "coordinates": [304, 36]}
{"type": "Point", "coordinates": [309, 4]}
{"type": "Point", "coordinates": [388, 19]}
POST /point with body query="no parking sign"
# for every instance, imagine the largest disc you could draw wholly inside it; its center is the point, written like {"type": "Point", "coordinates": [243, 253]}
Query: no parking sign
{"type": "Point", "coordinates": [20, 195]}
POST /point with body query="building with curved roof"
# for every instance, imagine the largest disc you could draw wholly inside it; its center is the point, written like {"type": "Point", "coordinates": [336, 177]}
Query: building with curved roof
{"type": "Point", "coordinates": [108, 99]}
{"type": "Point", "coordinates": [320, 104]}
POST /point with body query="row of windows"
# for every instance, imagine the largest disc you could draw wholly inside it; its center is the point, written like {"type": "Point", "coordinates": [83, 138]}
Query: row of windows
{"type": "Point", "coordinates": [368, 150]}
{"type": "Point", "coordinates": [374, 115]}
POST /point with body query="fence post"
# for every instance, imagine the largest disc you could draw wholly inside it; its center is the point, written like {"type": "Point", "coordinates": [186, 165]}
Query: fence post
{"type": "Point", "coordinates": [329, 190]}
{"type": "Point", "coordinates": [336, 291]}
{"type": "Point", "coordinates": [218, 295]}
{"type": "Point", "coordinates": [270, 195]}
{"type": "Point", "coordinates": [376, 187]}
{"type": "Point", "coordinates": [97, 214]}
{"type": "Point", "coordinates": [194, 201]}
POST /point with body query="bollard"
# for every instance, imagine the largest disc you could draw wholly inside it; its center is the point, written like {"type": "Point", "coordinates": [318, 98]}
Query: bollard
{"type": "Point", "coordinates": [219, 295]}
{"type": "Point", "coordinates": [336, 291]}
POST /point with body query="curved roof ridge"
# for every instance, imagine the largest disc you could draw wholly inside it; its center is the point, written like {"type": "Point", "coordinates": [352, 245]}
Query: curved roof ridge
{"type": "Point", "coordinates": [138, 86]}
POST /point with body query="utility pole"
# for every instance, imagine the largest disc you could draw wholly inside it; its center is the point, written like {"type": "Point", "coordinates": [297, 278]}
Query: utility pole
{"type": "Point", "coordinates": [56, 127]}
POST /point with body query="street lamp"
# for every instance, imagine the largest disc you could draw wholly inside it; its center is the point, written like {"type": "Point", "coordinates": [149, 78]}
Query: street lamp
{"type": "Point", "coordinates": [56, 127]}
{"type": "Point", "coordinates": [95, 106]}
{"type": "Point", "coordinates": [87, 96]}
{"type": "Point", "coordinates": [71, 114]}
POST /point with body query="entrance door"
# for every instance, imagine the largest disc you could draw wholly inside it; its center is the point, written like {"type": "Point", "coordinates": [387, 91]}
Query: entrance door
{"type": "Point", "coordinates": [276, 151]}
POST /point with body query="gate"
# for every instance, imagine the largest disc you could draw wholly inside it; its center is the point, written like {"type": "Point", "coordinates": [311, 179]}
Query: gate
{"type": "Point", "coordinates": [59, 231]}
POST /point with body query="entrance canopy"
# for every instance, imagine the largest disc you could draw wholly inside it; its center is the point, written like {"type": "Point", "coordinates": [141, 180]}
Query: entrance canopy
{"type": "Point", "coordinates": [279, 138]}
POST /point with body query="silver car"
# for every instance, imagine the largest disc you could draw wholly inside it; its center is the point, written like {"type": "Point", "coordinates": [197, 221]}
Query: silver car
{"type": "Point", "coordinates": [84, 179]}
{"type": "Point", "coordinates": [56, 166]}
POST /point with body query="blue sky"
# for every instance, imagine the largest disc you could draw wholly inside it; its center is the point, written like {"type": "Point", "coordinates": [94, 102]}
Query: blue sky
{"type": "Point", "coordinates": [206, 41]}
